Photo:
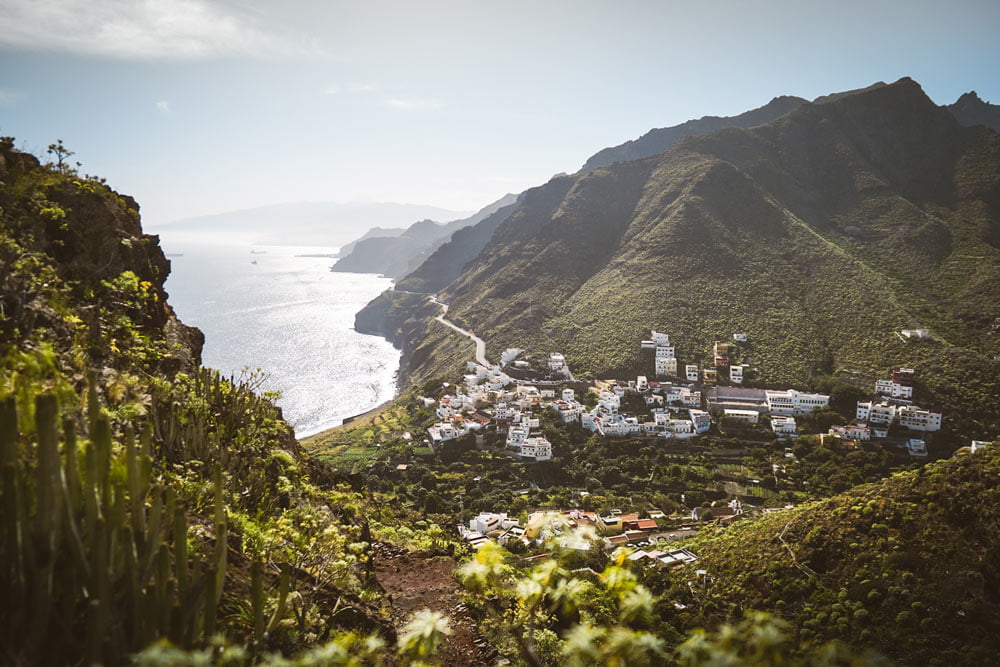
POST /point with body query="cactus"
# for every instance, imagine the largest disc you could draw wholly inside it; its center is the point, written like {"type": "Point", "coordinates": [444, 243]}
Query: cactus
{"type": "Point", "coordinates": [279, 610]}
{"type": "Point", "coordinates": [257, 600]}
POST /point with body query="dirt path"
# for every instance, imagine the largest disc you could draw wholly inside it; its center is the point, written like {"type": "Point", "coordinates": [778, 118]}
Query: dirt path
{"type": "Point", "coordinates": [419, 582]}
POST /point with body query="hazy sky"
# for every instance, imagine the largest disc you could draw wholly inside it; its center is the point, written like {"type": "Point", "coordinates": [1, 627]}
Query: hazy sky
{"type": "Point", "coordinates": [201, 106]}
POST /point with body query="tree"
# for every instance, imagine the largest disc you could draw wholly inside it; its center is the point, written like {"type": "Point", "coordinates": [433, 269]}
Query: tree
{"type": "Point", "coordinates": [62, 154]}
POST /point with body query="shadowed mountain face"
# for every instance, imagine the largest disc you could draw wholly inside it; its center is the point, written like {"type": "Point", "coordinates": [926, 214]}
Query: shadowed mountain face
{"type": "Point", "coordinates": [969, 109]}
{"type": "Point", "coordinates": [819, 234]}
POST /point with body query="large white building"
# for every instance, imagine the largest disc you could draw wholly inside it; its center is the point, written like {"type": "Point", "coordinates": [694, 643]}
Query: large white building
{"type": "Point", "coordinates": [792, 402]}
{"type": "Point", "coordinates": [691, 372]}
{"type": "Point", "coordinates": [918, 419]}
{"type": "Point", "coordinates": [660, 339]}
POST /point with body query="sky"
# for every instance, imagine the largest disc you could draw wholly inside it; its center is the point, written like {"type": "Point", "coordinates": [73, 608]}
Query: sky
{"type": "Point", "coordinates": [204, 106]}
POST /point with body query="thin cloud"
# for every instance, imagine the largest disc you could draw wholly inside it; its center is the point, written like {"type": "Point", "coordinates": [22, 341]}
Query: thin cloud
{"type": "Point", "coordinates": [412, 103]}
{"type": "Point", "coordinates": [9, 98]}
{"type": "Point", "coordinates": [163, 106]}
{"type": "Point", "coordinates": [332, 90]}
{"type": "Point", "coordinates": [362, 88]}
{"type": "Point", "coordinates": [143, 29]}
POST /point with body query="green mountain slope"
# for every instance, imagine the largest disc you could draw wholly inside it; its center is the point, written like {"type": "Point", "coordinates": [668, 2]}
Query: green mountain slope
{"type": "Point", "coordinates": [820, 234]}
{"type": "Point", "coordinates": [909, 566]}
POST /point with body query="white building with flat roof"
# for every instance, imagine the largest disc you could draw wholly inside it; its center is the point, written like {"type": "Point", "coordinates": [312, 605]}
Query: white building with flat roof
{"type": "Point", "coordinates": [918, 419]}
{"type": "Point", "coordinates": [876, 413]}
{"type": "Point", "coordinates": [792, 402]}
{"type": "Point", "coordinates": [783, 425]}
{"type": "Point", "coordinates": [748, 416]}
{"type": "Point", "coordinates": [666, 366]}
{"type": "Point", "coordinates": [893, 389]}
{"type": "Point", "coordinates": [538, 449]}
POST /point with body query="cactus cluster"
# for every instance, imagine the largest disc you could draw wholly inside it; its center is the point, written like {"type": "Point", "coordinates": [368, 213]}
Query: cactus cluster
{"type": "Point", "coordinates": [95, 558]}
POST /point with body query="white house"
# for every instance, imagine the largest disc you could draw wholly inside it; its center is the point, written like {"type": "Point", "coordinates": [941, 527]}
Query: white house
{"type": "Point", "coordinates": [916, 333]}
{"type": "Point", "coordinates": [666, 366]}
{"type": "Point", "coordinates": [487, 522]}
{"type": "Point", "coordinates": [681, 428]}
{"type": "Point", "coordinates": [876, 413]}
{"type": "Point", "coordinates": [641, 383]}
{"type": "Point", "coordinates": [442, 431]}
{"type": "Point", "coordinates": [783, 425]}
{"type": "Point", "coordinates": [609, 400]}
{"type": "Point", "coordinates": [740, 337]}
{"type": "Point", "coordinates": [538, 449]}
{"type": "Point", "coordinates": [556, 361]}
{"type": "Point", "coordinates": [665, 351]}
{"type": "Point", "coordinates": [691, 372]}
{"type": "Point", "coordinates": [893, 389]}
{"type": "Point", "coordinates": [509, 355]}
{"type": "Point", "coordinates": [736, 374]}
{"type": "Point", "coordinates": [748, 416]}
{"type": "Point", "coordinates": [568, 395]}
{"type": "Point", "coordinates": [660, 339]}
{"type": "Point", "coordinates": [916, 447]}
{"type": "Point", "coordinates": [647, 345]}
{"type": "Point", "coordinates": [516, 436]}
{"type": "Point", "coordinates": [852, 432]}
{"type": "Point", "coordinates": [503, 412]}
{"type": "Point", "coordinates": [702, 420]}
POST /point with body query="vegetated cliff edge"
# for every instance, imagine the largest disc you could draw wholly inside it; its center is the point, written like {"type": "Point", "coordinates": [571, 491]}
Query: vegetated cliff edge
{"type": "Point", "coordinates": [145, 497]}
{"type": "Point", "coordinates": [820, 234]}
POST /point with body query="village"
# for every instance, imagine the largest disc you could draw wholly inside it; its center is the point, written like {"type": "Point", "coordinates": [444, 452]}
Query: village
{"type": "Point", "coordinates": [680, 403]}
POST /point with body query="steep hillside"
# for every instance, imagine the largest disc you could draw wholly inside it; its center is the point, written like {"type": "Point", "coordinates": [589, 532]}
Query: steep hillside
{"type": "Point", "coordinates": [970, 109]}
{"type": "Point", "coordinates": [395, 256]}
{"type": "Point", "coordinates": [658, 140]}
{"type": "Point", "coordinates": [909, 566]}
{"type": "Point", "coordinates": [147, 500]}
{"type": "Point", "coordinates": [820, 234]}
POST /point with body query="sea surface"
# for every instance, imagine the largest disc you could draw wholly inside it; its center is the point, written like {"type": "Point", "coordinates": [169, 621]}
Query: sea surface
{"type": "Point", "coordinates": [273, 308]}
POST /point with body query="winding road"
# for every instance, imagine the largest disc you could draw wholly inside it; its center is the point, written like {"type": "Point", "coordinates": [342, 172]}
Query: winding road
{"type": "Point", "coordinates": [480, 343]}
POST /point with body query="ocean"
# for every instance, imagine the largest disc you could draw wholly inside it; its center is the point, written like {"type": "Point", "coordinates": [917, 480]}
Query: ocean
{"type": "Point", "coordinates": [276, 309]}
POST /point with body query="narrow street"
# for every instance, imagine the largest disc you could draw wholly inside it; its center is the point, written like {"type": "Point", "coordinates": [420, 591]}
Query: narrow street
{"type": "Point", "coordinates": [480, 343]}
